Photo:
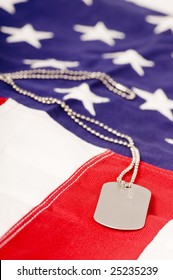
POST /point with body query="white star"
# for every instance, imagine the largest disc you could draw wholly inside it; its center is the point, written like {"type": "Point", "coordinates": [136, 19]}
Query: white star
{"type": "Point", "coordinates": [88, 2]}
{"type": "Point", "coordinates": [99, 32]}
{"type": "Point", "coordinates": [8, 5]}
{"type": "Point", "coordinates": [163, 23]}
{"type": "Point", "coordinates": [162, 6]}
{"type": "Point", "coordinates": [85, 95]}
{"type": "Point", "coordinates": [26, 34]}
{"type": "Point", "coordinates": [169, 140]}
{"type": "Point", "coordinates": [157, 101]}
{"type": "Point", "coordinates": [131, 57]}
{"type": "Point", "coordinates": [54, 63]}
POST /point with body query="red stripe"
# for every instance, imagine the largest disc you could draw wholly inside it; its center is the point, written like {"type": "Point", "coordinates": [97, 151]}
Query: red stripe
{"type": "Point", "coordinates": [50, 199]}
{"type": "Point", "coordinates": [3, 100]}
{"type": "Point", "coordinates": [62, 227]}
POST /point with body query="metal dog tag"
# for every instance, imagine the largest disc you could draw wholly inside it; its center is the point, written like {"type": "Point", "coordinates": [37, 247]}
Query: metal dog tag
{"type": "Point", "coordinates": [122, 208]}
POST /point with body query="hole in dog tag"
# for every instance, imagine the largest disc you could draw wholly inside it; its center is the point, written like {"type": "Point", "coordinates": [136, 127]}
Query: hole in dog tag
{"type": "Point", "coordinates": [122, 208]}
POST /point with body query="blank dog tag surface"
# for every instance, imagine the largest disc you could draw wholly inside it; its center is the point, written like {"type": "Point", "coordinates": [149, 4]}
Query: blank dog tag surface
{"type": "Point", "coordinates": [122, 208]}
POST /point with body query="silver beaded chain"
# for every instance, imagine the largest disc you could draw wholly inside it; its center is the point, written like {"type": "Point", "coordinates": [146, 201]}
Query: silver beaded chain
{"type": "Point", "coordinates": [80, 119]}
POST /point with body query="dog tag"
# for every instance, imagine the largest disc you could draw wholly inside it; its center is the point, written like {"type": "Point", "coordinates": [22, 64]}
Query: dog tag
{"type": "Point", "coordinates": [122, 208]}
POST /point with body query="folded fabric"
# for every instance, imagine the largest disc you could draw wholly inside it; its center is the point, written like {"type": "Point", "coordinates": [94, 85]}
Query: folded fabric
{"type": "Point", "coordinates": [49, 186]}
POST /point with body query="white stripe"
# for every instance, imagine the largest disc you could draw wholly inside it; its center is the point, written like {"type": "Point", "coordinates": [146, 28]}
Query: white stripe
{"type": "Point", "coordinates": [161, 247]}
{"type": "Point", "coordinates": [162, 6]}
{"type": "Point", "coordinates": [36, 156]}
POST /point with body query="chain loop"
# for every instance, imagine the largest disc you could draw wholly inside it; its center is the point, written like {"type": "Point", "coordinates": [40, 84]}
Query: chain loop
{"type": "Point", "coordinates": [108, 82]}
{"type": "Point", "coordinates": [80, 119]}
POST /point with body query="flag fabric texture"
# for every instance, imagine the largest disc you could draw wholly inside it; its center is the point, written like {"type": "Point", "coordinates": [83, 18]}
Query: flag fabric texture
{"type": "Point", "coordinates": [51, 169]}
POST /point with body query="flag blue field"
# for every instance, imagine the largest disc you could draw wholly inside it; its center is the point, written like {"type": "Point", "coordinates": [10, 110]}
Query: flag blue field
{"type": "Point", "coordinates": [130, 43]}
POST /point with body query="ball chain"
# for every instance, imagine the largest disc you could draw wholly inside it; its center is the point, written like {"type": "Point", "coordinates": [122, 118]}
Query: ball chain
{"type": "Point", "coordinates": [109, 83]}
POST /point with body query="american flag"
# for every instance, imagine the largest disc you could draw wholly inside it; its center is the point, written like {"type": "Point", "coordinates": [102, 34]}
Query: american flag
{"type": "Point", "coordinates": [51, 170]}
